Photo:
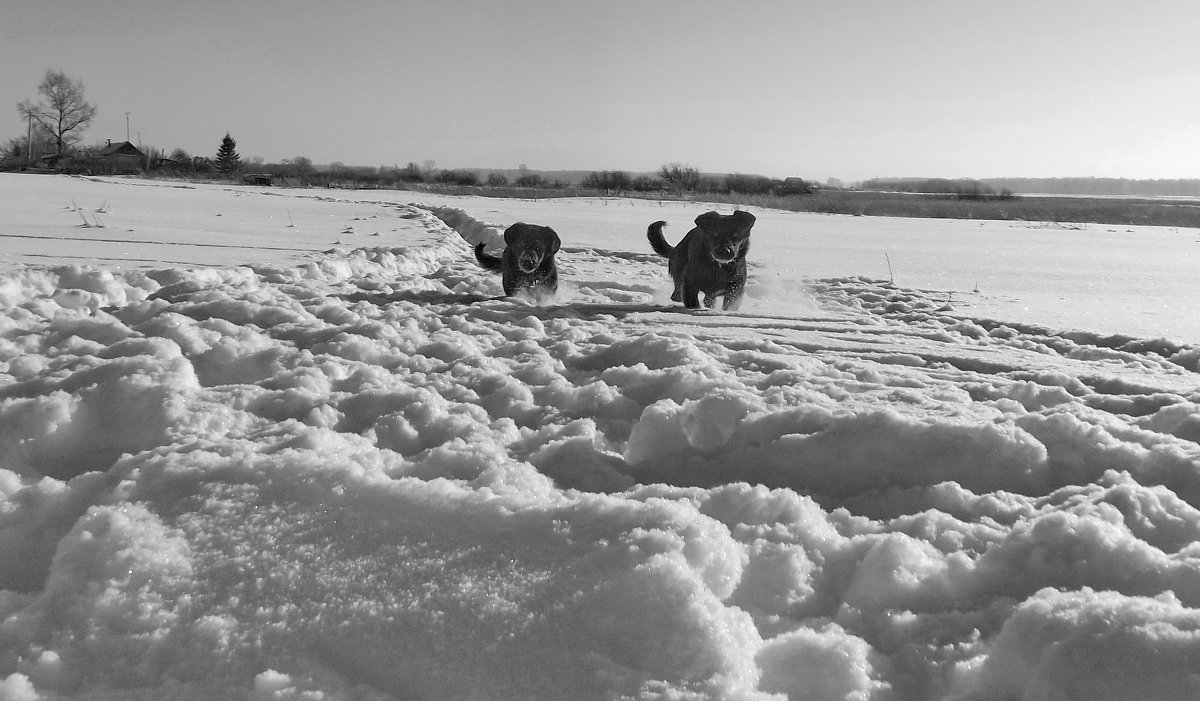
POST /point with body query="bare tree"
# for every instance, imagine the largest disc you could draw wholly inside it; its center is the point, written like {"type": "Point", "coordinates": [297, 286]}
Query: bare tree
{"type": "Point", "coordinates": [303, 165]}
{"type": "Point", "coordinates": [26, 145]}
{"type": "Point", "coordinates": [62, 111]}
{"type": "Point", "coordinates": [680, 176]}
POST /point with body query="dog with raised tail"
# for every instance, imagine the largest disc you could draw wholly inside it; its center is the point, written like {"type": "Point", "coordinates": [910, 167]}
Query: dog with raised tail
{"type": "Point", "coordinates": [711, 259]}
{"type": "Point", "coordinates": [527, 264]}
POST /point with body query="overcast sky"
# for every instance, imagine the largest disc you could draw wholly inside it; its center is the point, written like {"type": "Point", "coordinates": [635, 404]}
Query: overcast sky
{"type": "Point", "coordinates": [837, 88]}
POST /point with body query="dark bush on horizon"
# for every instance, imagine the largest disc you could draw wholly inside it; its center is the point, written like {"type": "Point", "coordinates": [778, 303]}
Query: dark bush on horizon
{"type": "Point", "coordinates": [611, 180]}
{"type": "Point", "coordinates": [680, 176]}
{"type": "Point", "coordinates": [645, 183]}
{"type": "Point", "coordinates": [410, 173]}
{"type": "Point", "coordinates": [468, 178]}
{"type": "Point", "coordinates": [748, 184]}
{"type": "Point", "coordinates": [962, 188]}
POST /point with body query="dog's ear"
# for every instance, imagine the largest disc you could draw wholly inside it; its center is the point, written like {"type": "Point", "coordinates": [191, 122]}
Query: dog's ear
{"type": "Point", "coordinates": [555, 242]}
{"type": "Point", "coordinates": [744, 219]}
{"type": "Point", "coordinates": [708, 220]}
{"type": "Point", "coordinates": [512, 233]}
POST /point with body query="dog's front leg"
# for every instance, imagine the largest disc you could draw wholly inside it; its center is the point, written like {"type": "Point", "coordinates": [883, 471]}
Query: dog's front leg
{"type": "Point", "coordinates": [733, 297]}
{"type": "Point", "coordinates": [691, 295]}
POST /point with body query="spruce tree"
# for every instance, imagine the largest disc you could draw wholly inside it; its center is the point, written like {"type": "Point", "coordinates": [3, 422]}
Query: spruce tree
{"type": "Point", "coordinates": [228, 160]}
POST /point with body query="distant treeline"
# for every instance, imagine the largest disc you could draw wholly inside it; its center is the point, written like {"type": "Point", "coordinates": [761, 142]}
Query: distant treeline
{"type": "Point", "coordinates": [1048, 211]}
{"type": "Point", "coordinates": [1070, 201]}
{"type": "Point", "coordinates": [670, 178]}
{"type": "Point", "coordinates": [962, 188]}
{"type": "Point", "coordinates": [987, 188]}
{"type": "Point", "coordinates": [1099, 187]}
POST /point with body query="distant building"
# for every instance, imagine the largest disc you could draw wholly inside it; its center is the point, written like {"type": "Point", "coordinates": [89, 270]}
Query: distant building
{"type": "Point", "coordinates": [795, 186]}
{"type": "Point", "coordinates": [121, 156]}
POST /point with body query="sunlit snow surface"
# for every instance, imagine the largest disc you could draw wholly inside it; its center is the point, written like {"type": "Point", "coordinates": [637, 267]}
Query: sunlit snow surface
{"type": "Point", "coordinates": [287, 444]}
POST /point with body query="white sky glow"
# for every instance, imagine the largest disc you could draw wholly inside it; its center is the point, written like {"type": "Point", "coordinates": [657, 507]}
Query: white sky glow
{"type": "Point", "coordinates": [850, 90]}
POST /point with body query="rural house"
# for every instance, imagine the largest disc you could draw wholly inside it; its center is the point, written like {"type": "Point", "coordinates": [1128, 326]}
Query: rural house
{"type": "Point", "coordinates": [121, 156]}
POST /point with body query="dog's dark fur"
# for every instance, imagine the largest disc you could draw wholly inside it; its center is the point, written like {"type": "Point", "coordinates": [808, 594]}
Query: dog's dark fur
{"type": "Point", "coordinates": [710, 259]}
{"type": "Point", "coordinates": [527, 264]}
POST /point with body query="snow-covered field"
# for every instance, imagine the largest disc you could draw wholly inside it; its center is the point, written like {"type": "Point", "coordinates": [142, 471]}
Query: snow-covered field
{"type": "Point", "coordinates": [272, 444]}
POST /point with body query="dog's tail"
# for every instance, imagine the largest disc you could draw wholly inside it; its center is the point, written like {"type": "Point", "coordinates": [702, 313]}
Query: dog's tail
{"type": "Point", "coordinates": [657, 241]}
{"type": "Point", "coordinates": [488, 261]}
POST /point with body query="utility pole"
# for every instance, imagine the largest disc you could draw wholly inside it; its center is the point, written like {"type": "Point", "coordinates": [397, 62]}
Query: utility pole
{"type": "Point", "coordinates": [127, 126]}
{"type": "Point", "coordinates": [29, 138]}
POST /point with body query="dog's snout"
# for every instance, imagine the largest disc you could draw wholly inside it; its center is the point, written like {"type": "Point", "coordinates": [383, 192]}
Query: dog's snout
{"type": "Point", "coordinates": [725, 252]}
{"type": "Point", "coordinates": [529, 261]}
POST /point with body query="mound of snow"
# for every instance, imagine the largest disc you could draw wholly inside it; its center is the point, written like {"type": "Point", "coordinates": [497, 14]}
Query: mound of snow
{"type": "Point", "coordinates": [367, 475]}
